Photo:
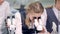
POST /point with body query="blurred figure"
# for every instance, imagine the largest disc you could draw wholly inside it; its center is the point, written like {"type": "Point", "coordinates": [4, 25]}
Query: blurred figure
{"type": "Point", "coordinates": [14, 24]}
{"type": "Point", "coordinates": [36, 16]}
{"type": "Point", "coordinates": [22, 11]}
{"type": "Point", "coordinates": [52, 17]}
{"type": "Point", "coordinates": [4, 12]}
{"type": "Point", "coordinates": [22, 8]}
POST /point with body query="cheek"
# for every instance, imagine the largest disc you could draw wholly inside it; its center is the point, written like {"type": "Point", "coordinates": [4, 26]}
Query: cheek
{"type": "Point", "coordinates": [31, 17]}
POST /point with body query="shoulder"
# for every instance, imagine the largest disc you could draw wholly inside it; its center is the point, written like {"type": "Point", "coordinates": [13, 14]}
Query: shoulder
{"type": "Point", "coordinates": [44, 13]}
{"type": "Point", "coordinates": [49, 7]}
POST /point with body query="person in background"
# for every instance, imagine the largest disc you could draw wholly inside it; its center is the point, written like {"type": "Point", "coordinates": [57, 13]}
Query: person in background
{"type": "Point", "coordinates": [53, 19]}
{"type": "Point", "coordinates": [4, 12]}
{"type": "Point", "coordinates": [14, 23]}
{"type": "Point", "coordinates": [36, 11]}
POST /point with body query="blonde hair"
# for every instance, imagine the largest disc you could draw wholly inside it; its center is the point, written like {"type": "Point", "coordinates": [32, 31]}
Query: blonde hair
{"type": "Point", "coordinates": [35, 7]}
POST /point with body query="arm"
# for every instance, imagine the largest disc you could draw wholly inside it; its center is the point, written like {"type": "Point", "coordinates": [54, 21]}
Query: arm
{"type": "Point", "coordinates": [44, 18]}
{"type": "Point", "coordinates": [18, 23]}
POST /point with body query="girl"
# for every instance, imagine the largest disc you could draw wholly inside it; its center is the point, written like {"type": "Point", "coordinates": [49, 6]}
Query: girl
{"type": "Point", "coordinates": [36, 15]}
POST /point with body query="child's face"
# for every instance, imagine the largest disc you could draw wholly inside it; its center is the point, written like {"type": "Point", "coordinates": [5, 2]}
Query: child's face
{"type": "Point", "coordinates": [31, 15]}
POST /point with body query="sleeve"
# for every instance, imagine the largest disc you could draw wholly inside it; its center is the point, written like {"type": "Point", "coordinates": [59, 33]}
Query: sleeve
{"type": "Point", "coordinates": [44, 18]}
{"type": "Point", "coordinates": [18, 23]}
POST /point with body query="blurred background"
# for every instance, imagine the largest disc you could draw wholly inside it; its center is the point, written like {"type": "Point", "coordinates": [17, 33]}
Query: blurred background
{"type": "Point", "coordinates": [16, 3]}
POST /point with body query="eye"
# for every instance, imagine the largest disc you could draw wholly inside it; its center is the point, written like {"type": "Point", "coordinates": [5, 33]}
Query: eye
{"type": "Point", "coordinates": [13, 16]}
{"type": "Point", "coordinates": [8, 17]}
{"type": "Point", "coordinates": [39, 17]}
{"type": "Point", "coordinates": [34, 17]}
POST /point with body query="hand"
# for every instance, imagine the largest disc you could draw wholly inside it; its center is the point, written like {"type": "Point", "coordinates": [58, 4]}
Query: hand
{"type": "Point", "coordinates": [44, 33]}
